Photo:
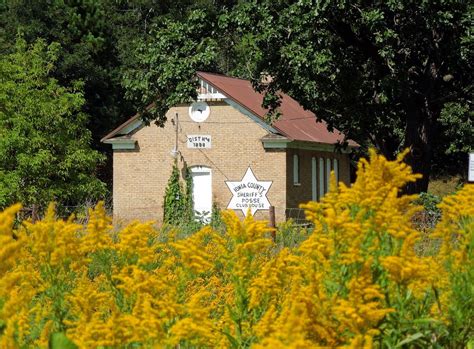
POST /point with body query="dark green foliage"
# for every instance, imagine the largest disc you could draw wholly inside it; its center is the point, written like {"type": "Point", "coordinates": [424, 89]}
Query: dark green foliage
{"type": "Point", "coordinates": [178, 203]}
{"type": "Point", "coordinates": [167, 63]}
{"type": "Point", "coordinates": [88, 34]}
{"type": "Point", "coordinates": [380, 72]}
{"type": "Point", "coordinates": [388, 74]}
{"type": "Point", "coordinates": [45, 152]}
{"type": "Point", "coordinates": [188, 195]}
{"type": "Point", "coordinates": [431, 211]}
{"type": "Point", "coordinates": [455, 139]}
{"type": "Point", "coordinates": [98, 40]}
{"type": "Point", "coordinates": [216, 219]}
{"type": "Point", "coordinates": [173, 203]}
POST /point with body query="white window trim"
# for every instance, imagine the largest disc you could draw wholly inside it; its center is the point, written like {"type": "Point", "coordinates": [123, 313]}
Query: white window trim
{"type": "Point", "coordinates": [296, 169]}
{"type": "Point", "coordinates": [335, 165]}
{"type": "Point", "coordinates": [328, 174]}
{"type": "Point", "coordinates": [314, 174]}
{"type": "Point", "coordinates": [321, 178]}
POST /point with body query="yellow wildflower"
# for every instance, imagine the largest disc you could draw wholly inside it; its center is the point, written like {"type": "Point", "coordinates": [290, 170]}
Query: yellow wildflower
{"type": "Point", "coordinates": [98, 232]}
{"type": "Point", "coordinates": [10, 243]}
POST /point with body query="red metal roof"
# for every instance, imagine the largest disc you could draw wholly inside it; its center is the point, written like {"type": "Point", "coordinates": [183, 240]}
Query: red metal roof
{"type": "Point", "coordinates": [295, 122]}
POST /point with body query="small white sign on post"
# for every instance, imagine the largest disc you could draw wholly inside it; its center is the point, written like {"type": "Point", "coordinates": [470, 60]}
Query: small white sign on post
{"type": "Point", "coordinates": [470, 176]}
{"type": "Point", "coordinates": [199, 141]}
{"type": "Point", "coordinates": [249, 193]}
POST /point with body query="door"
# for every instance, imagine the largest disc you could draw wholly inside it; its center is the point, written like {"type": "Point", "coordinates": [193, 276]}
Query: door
{"type": "Point", "coordinates": [202, 192]}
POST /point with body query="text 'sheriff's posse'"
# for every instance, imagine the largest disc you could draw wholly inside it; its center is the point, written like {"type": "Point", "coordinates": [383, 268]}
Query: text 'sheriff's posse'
{"type": "Point", "coordinates": [249, 193]}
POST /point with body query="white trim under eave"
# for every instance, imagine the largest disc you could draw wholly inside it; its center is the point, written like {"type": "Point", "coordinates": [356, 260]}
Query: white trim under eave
{"type": "Point", "coordinates": [210, 96]}
{"type": "Point", "coordinates": [288, 144]}
{"type": "Point", "coordinates": [129, 128]}
{"type": "Point", "coordinates": [122, 144]}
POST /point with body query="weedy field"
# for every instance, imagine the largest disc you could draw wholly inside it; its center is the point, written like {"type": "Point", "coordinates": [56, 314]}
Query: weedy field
{"type": "Point", "coordinates": [355, 280]}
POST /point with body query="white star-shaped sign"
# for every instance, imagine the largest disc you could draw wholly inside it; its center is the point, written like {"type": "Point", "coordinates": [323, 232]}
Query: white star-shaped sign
{"type": "Point", "coordinates": [249, 193]}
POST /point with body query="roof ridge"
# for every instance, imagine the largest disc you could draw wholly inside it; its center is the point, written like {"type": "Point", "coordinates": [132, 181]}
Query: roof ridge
{"type": "Point", "coordinates": [222, 75]}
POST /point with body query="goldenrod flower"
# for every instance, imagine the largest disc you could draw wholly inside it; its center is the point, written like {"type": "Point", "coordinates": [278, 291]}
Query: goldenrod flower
{"type": "Point", "coordinates": [345, 286]}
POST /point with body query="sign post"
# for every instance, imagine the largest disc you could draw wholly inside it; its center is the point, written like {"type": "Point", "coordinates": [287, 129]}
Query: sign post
{"type": "Point", "coordinates": [273, 223]}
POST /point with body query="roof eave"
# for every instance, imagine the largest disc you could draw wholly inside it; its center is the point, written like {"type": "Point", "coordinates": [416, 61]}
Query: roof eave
{"type": "Point", "coordinates": [120, 143]}
{"type": "Point", "coordinates": [304, 145]}
{"type": "Point", "coordinates": [120, 128]}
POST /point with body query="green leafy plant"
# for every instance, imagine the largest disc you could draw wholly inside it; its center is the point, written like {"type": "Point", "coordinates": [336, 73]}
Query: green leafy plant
{"type": "Point", "coordinates": [431, 211]}
{"type": "Point", "coordinates": [178, 201]}
{"type": "Point", "coordinates": [216, 219]}
{"type": "Point", "coordinates": [45, 152]}
{"type": "Point", "coordinates": [60, 341]}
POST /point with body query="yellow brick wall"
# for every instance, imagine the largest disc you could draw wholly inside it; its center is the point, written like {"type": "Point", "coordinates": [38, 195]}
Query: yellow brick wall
{"type": "Point", "coordinates": [140, 176]}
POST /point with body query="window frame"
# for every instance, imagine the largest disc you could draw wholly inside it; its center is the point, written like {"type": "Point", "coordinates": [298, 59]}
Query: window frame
{"type": "Point", "coordinates": [314, 179]}
{"type": "Point", "coordinates": [296, 170]}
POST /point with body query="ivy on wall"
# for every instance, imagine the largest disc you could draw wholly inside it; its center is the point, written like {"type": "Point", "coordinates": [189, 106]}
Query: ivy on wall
{"type": "Point", "coordinates": [178, 200]}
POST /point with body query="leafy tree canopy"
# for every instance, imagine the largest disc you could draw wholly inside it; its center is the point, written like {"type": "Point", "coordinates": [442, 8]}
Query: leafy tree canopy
{"type": "Point", "coordinates": [387, 73]}
{"type": "Point", "coordinates": [381, 72]}
{"type": "Point", "coordinates": [45, 152]}
{"type": "Point", "coordinates": [99, 40]}
{"type": "Point", "coordinates": [392, 74]}
{"type": "Point", "coordinates": [89, 32]}
{"type": "Point", "coordinates": [167, 64]}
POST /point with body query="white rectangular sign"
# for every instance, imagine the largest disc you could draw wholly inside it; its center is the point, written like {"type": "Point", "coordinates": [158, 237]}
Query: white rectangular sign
{"type": "Point", "coordinates": [470, 176]}
{"type": "Point", "coordinates": [199, 141]}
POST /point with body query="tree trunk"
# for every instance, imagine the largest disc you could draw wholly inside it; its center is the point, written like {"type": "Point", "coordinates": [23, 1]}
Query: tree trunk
{"type": "Point", "coordinates": [419, 138]}
{"type": "Point", "coordinates": [34, 213]}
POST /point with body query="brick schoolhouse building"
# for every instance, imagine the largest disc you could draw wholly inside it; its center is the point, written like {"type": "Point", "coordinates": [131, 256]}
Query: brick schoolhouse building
{"type": "Point", "coordinates": [236, 159]}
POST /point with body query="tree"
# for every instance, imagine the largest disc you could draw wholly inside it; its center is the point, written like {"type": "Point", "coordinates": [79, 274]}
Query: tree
{"type": "Point", "coordinates": [166, 64]}
{"type": "Point", "coordinates": [99, 41]}
{"type": "Point", "coordinates": [454, 139]}
{"type": "Point", "coordinates": [89, 32]}
{"type": "Point", "coordinates": [381, 72]}
{"type": "Point", "coordinates": [86, 32]}
{"type": "Point", "coordinates": [45, 152]}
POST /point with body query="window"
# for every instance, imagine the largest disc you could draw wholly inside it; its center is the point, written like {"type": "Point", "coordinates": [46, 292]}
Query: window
{"type": "Point", "coordinates": [328, 173]}
{"type": "Point", "coordinates": [335, 166]}
{"type": "Point", "coordinates": [314, 174]}
{"type": "Point", "coordinates": [296, 170]}
{"type": "Point", "coordinates": [321, 178]}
